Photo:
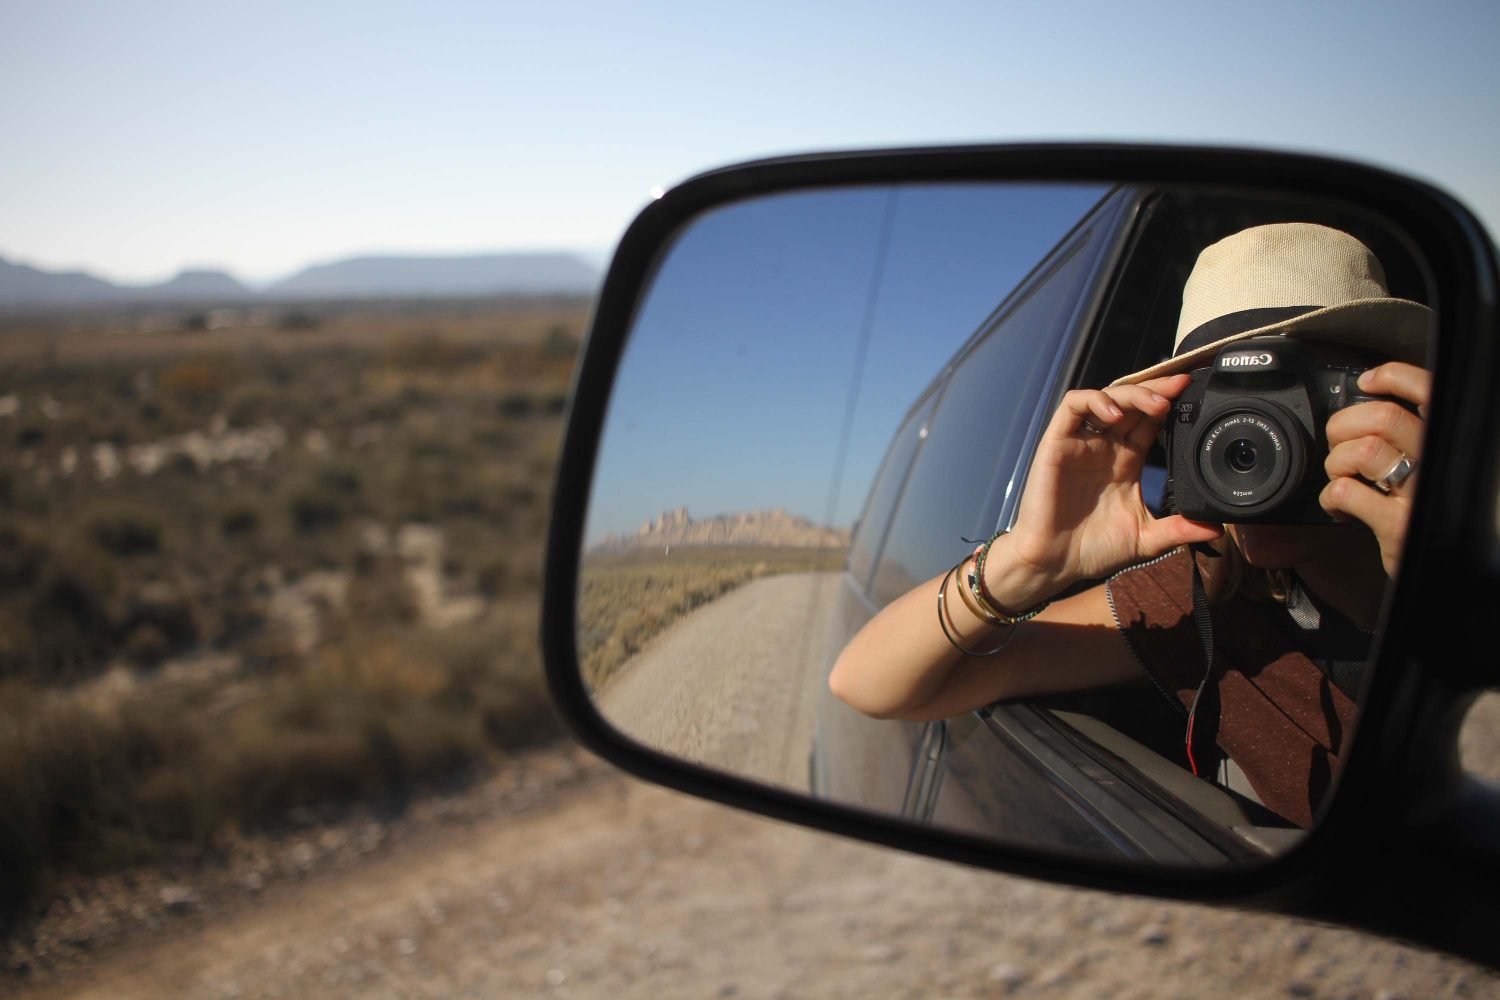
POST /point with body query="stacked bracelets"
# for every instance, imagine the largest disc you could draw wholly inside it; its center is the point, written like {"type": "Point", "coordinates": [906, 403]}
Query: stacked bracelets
{"type": "Point", "coordinates": [976, 597]}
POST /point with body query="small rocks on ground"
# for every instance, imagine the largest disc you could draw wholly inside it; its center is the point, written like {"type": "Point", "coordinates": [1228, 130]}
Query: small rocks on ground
{"type": "Point", "coordinates": [179, 898]}
{"type": "Point", "coordinates": [1155, 936]}
{"type": "Point", "coordinates": [1007, 975]}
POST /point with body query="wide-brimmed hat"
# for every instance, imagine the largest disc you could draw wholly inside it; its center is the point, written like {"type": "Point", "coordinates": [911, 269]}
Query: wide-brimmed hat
{"type": "Point", "coordinates": [1296, 279]}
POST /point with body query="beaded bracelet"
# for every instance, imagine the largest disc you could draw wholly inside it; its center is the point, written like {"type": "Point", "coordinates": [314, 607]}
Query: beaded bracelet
{"type": "Point", "coordinates": [982, 593]}
{"type": "Point", "coordinates": [942, 610]}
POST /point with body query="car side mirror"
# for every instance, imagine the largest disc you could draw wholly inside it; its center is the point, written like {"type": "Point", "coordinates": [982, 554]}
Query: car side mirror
{"type": "Point", "coordinates": [814, 384]}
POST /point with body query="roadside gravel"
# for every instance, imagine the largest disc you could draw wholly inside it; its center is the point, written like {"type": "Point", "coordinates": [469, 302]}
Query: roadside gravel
{"type": "Point", "coordinates": [613, 888]}
{"type": "Point", "coordinates": [734, 684]}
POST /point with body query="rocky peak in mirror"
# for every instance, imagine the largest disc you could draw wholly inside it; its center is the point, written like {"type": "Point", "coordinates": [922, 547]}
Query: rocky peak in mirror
{"type": "Point", "coordinates": [763, 527]}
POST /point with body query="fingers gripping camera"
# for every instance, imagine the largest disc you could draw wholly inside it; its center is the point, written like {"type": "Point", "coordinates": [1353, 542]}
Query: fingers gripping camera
{"type": "Point", "coordinates": [1246, 439]}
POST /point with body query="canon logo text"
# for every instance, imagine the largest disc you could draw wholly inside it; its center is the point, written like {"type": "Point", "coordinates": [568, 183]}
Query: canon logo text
{"type": "Point", "coordinates": [1245, 360]}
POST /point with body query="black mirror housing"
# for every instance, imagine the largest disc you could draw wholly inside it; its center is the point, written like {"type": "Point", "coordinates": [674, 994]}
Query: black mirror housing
{"type": "Point", "coordinates": [1409, 845]}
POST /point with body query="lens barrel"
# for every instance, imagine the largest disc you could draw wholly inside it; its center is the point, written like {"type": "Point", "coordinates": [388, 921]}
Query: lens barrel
{"type": "Point", "coordinates": [1250, 458]}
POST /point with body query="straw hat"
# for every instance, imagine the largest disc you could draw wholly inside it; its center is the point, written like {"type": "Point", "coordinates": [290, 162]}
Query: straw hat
{"type": "Point", "coordinates": [1295, 279]}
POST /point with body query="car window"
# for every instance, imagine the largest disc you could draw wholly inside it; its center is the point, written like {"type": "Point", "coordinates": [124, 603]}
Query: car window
{"type": "Point", "coordinates": [886, 490]}
{"type": "Point", "coordinates": [979, 428]}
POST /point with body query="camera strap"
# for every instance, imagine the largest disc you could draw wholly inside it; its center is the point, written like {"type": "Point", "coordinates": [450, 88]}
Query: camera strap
{"type": "Point", "coordinates": [1205, 624]}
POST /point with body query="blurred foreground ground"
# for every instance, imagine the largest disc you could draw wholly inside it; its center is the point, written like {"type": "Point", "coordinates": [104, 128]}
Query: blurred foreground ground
{"type": "Point", "coordinates": [576, 881]}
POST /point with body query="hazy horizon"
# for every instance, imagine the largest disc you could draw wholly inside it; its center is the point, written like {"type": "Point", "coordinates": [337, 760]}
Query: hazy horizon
{"type": "Point", "coordinates": [593, 257]}
{"type": "Point", "coordinates": [149, 137]}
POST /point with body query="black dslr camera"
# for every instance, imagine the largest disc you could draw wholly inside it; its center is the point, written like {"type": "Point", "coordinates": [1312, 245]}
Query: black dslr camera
{"type": "Point", "coordinates": [1245, 439]}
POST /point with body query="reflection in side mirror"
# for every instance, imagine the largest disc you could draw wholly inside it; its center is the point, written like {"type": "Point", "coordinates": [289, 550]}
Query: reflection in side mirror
{"type": "Point", "coordinates": [830, 400]}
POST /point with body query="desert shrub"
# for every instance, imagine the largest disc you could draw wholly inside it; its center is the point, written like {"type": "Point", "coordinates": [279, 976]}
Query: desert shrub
{"type": "Point", "coordinates": [516, 405]}
{"type": "Point", "coordinates": [492, 674]}
{"type": "Point", "coordinates": [56, 622]}
{"type": "Point", "coordinates": [429, 350]}
{"type": "Point", "coordinates": [297, 319]}
{"type": "Point", "coordinates": [69, 627]}
{"type": "Point", "coordinates": [125, 532]}
{"type": "Point", "coordinates": [251, 404]}
{"type": "Point", "coordinates": [177, 802]}
{"type": "Point", "coordinates": [276, 768]}
{"type": "Point", "coordinates": [197, 380]}
{"type": "Point", "coordinates": [491, 438]}
{"type": "Point", "coordinates": [325, 499]}
{"type": "Point", "coordinates": [22, 556]}
{"type": "Point", "coordinates": [164, 617]}
{"type": "Point", "coordinates": [338, 477]}
{"type": "Point", "coordinates": [146, 645]}
{"type": "Point", "coordinates": [378, 592]}
{"type": "Point", "coordinates": [312, 511]}
{"type": "Point", "coordinates": [69, 774]}
{"type": "Point", "coordinates": [414, 396]}
{"type": "Point", "coordinates": [492, 578]}
{"type": "Point", "coordinates": [239, 521]}
{"type": "Point", "coordinates": [560, 341]}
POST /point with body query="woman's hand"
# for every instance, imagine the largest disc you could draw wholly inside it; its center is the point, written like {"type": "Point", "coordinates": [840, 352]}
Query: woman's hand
{"type": "Point", "coordinates": [1082, 516]}
{"type": "Point", "coordinates": [1365, 442]}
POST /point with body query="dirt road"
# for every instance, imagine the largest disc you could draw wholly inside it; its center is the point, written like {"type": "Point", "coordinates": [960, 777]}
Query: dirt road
{"type": "Point", "coordinates": [618, 889]}
{"type": "Point", "coordinates": [571, 880]}
{"type": "Point", "coordinates": [733, 685]}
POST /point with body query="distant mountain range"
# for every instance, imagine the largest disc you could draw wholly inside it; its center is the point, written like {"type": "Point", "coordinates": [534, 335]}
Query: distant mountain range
{"type": "Point", "coordinates": [355, 278]}
{"type": "Point", "coordinates": [487, 274]}
{"type": "Point", "coordinates": [762, 527]}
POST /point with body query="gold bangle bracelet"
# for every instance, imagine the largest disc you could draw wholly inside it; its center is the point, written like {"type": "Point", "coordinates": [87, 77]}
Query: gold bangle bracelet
{"type": "Point", "coordinates": [966, 594]}
{"type": "Point", "coordinates": [975, 586]}
{"type": "Point", "coordinates": [942, 610]}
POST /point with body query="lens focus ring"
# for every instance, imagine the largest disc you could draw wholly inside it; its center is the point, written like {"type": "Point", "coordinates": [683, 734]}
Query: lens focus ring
{"type": "Point", "coordinates": [1248, 459]}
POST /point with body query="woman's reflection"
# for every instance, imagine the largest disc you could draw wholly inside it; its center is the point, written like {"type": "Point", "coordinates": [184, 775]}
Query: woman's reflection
{"type": "Point", "coordinates": [1280, 607]}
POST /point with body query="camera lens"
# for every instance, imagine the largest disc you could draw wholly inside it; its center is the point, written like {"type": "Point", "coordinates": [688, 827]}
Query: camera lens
{"type": "Point", "coordinates": [1241, 455]}
{"type": "Point", "coordinates": [1249, 458]}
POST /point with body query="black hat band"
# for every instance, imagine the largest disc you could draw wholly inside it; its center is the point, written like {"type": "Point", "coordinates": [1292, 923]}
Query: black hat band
{"type": "Point", "coordinates": [1230, 324]}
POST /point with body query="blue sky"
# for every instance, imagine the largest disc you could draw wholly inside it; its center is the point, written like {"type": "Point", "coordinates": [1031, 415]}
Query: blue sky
{"type": "Point", "coordinates": [743, 366]}
{"type": "Point", "coordinates": [141, 138]}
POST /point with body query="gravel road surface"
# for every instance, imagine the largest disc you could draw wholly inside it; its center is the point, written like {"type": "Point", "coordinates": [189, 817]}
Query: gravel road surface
{"type": "Point", "coordinates": [567, 879]}
{"type": "Point", "coordinates": [734, 684]}
{"type": "Point", "coordinates": [621, 890]}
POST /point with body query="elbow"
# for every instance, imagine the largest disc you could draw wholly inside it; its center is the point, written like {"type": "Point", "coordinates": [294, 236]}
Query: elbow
{"type": "Point", "coordinates": [841, 685]}
{"type": "Point", "coordinates": [846, 684]}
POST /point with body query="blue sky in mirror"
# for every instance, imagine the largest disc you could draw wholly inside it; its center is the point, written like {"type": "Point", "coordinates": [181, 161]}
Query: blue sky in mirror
{"type": "Point", "coordinates": [734, 387]}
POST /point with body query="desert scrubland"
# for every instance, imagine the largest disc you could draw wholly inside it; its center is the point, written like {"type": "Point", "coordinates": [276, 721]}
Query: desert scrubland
{"type": "Point", "coordinates": [261, 563]}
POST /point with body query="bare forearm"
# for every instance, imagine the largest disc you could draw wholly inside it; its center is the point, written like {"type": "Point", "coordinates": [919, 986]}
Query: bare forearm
{"type": "Point", "coordinates": [900, 665]}
{"type": "Point", "coordinates": [902, 660]}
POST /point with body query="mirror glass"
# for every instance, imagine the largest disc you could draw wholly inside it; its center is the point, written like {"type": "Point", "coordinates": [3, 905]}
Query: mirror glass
{"type": "Point", "coordinates": [831, 399]}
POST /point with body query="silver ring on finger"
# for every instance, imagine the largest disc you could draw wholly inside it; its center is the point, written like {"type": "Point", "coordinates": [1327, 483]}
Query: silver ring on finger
{"type": "Point", "coordinates": [1092, 427]}
{"type": "Point", "coordinates": [1398, 474]}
